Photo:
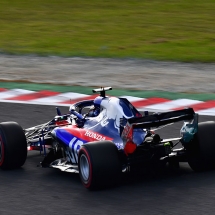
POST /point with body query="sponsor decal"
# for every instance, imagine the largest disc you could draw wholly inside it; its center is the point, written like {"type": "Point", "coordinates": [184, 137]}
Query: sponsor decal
{"type": "Point", "coordinates": [104, 122]}
{"type": "Point", "coordinates": [94, 135]}
{"type": "Point", "coordinates": [119, 145]}
{"type": "Point", "coordinates": [127, 134]}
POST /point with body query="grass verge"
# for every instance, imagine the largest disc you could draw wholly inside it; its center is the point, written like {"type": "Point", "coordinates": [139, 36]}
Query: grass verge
{"type": "Point", "coordinates": [164, 30]}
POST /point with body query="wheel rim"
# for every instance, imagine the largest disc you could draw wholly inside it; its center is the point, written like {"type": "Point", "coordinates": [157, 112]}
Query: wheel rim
{"type": "Point", "coordinates": [84, 168]}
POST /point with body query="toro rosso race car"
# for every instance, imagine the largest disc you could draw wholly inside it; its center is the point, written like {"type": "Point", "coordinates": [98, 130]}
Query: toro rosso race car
{"type": "Point", "coordinates": [102, 138]}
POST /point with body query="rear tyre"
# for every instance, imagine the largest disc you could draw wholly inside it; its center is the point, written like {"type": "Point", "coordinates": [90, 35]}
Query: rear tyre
{"type": "Point", "coordinates": [99, 165]}
{"type": "Point", "coordinates": [13, 145]}
{"type": "Point", "coordinates": [201, 152]}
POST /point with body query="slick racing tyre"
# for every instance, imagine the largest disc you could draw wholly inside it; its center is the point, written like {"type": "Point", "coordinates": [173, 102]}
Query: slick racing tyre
{"type": "Point", "coordinates": [201, 152]}
{"type": "Point", "coordinates": [13, 145]}
{"type": "Point", "coordinates": [99, 165]}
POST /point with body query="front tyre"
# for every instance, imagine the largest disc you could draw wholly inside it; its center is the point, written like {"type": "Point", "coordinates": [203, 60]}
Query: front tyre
{"type": "Point", "coordinates": [13, 145]}
{"type": "Point", "coordinates": [99, 164]}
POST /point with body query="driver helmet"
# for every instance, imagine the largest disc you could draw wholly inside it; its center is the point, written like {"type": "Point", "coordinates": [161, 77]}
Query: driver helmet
{"type": "Point", "coordinates": [96, 108]}
{"type": "Point", "coordinates": [94, 111]}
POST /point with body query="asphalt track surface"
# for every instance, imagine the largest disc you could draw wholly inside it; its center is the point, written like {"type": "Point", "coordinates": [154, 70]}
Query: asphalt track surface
{"type": "Point", "coordinates": [35, 190]}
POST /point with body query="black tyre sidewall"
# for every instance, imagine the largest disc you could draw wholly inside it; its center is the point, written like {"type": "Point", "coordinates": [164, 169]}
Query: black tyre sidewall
{"type": "Point", "coordinates": [202, 149]}
{"type": "Point", "coordinates": [14, 144]}
{"type": "Point", "coordinates": [104, 163]}
{"type": "Point", "coordinates": [87, 183]}
{"type": "Point", "coordinates": [2, 150]}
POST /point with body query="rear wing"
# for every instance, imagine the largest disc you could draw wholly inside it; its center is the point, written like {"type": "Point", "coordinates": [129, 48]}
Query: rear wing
{"type": "Point", "coordinates": [159, 119]}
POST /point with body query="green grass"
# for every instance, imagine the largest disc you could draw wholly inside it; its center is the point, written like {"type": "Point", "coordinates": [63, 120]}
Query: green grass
{"type": "Point", "coordinates": [181, 30]}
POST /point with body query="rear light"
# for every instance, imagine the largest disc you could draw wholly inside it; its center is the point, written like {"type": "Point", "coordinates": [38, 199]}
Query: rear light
{"type": "Point", "coordinates": [29, 148]}
{"type": "Point", "coordinates": [130, 147]}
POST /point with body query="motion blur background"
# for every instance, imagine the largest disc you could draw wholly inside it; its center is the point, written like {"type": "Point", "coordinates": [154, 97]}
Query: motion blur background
{"type": "Point", "coordinates": [179, 30]}
{"type": "Point", "coordinates": [142, 45]}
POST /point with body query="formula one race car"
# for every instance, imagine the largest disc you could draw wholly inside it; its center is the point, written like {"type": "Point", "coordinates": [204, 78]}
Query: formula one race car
{"type": "Point", "coordinates": [102, 138]}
